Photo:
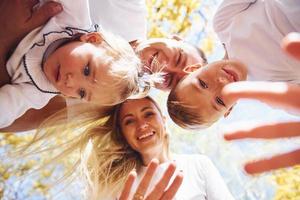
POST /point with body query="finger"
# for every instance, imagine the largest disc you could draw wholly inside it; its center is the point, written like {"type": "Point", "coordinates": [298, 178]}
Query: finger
{"type": "Point", "coordinates": [160, 187]}
{"type": "Point", "coordinates": [276, 162]}
{"type": "Point", "coordinates": [278, 130]}
{"type": "Point", "coordinates": [277, 94]}
{"type": "Point", "coordinates": [143, 186]}
{"type": "Point", "coordinates": [291, 44]}
{"type": "Point", "coordinates": [44, 13]}
{"type": "Point", "coordinates": [128, 185]}
{"type": "Point", "coordinates": [172, 190]}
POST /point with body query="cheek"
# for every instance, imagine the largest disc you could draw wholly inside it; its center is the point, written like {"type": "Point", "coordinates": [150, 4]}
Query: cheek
{"type": "Point", "coordinates": [128, 133]}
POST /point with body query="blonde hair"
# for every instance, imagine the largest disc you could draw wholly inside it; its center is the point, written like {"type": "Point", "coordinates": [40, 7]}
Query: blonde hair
{"type": "Point", "coordinates": [105, 158]}
{"type": "Point", "coordinates": [185, 116]}
{"type": "Point", "coordinates": [108, 159]}
{"type": "Point", "coordinates": [124, 69]}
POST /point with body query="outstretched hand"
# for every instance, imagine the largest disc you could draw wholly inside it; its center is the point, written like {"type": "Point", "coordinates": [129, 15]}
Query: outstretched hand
{"type": "Point", "coordinates": [270, 131]}
{"type": "Point", "coordinates": [281, 95]}
{"type": "Point", "coordinates": [160, 191]}
{"type": "Point", "coordinates": [277, 94]}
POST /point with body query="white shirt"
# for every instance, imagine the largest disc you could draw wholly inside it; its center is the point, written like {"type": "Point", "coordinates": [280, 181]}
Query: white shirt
{"type": "Point", "coordinates": [252, 31]}
{"type": "Point", "coordinates": [126, 18]}
{"type": "Point", "coordinates": [201, 179]}
{"type": "Point", "coordinates": [29, 86]}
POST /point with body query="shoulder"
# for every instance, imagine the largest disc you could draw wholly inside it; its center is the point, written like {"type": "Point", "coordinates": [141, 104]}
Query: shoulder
{"type": "Point", "coordinates": [227, 11]}
{"type": "Point", "coordinates": [197, 160]}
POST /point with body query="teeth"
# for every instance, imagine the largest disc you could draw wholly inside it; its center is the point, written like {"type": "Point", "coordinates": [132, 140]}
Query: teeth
{"type": "Point", "coordinates": [146, 135]}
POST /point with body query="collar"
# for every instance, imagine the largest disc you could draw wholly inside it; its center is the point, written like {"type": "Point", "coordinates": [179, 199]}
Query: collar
{"type": "Point", "coordinates": [33, 60]}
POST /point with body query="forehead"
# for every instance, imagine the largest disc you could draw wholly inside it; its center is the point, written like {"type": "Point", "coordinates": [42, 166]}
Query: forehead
{"type": "Point", "coordinates": [136, 105]}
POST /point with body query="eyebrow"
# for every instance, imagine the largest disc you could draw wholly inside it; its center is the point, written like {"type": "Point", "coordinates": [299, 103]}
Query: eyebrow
{"type": "Point", "coordinates": [142, 110]}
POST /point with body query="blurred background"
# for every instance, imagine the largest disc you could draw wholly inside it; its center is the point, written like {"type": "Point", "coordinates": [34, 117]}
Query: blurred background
{"type": "Point", "coordinates": [190, 19]}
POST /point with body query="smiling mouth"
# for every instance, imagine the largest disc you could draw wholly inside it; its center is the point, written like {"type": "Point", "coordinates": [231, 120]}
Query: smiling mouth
{"type": "Point", "coordinates": [146, 135]}
{"type": "Point", "coordinates": [232, 75]}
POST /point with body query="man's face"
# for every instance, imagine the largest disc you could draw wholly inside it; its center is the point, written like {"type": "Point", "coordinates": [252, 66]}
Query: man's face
{"type": "Point", "coordinates": [170, 56]}
{"type": "Point", "coordinates": [201, 90]}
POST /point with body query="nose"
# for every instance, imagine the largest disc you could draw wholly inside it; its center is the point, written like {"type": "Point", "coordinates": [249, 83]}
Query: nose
{"type": "Point", "coordinates": [142, 126]}
{"type": "Point", "coordinates": [69, 81]}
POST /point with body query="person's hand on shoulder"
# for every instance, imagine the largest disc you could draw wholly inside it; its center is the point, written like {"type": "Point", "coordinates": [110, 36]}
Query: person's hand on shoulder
{"type": "Point", "coordinates": [19, 17]}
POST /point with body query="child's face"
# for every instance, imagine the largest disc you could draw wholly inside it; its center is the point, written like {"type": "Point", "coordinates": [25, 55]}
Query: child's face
{"type": "Point", "coordinates": [202, 89]}
{"type": "Point", "coordinates": [170, 56]}
{"type": "Point", "coordinates": [77, 68]}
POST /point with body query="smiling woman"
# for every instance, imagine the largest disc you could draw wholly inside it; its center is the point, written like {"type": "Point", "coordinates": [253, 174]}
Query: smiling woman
{"type": "Point", "coordinates": [130, 139]}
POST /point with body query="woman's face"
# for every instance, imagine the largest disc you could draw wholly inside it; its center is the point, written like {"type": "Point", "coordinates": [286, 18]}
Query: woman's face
{"type": "Point", "coordinates": [142, 125]}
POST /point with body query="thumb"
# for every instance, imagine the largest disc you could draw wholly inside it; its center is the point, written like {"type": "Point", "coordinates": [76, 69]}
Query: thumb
{"type": "Point", "coordinates": [41, 15]}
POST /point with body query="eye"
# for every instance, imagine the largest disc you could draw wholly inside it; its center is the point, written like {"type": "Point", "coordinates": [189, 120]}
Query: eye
{"type": "Point", "coordinates": [202, 84]}
{"type": "Point", "coordinates": [86, 70]}
{"type": "Point", "coordinates": [148, 114]}
{"type": "Point", "coordinates": [128, 121]}
{"type": "Point", "coordinates": [82, 93]}
{"type": "Point", "coordinates": [220, 101]}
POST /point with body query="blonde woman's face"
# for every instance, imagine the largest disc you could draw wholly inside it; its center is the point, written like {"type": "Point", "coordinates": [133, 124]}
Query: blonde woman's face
{"type": "Point", "coordinates": [142, 125]}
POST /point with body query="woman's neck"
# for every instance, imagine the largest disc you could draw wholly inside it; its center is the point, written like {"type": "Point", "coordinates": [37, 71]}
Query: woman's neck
{"type": "Point", "coordinates": [161, 155]}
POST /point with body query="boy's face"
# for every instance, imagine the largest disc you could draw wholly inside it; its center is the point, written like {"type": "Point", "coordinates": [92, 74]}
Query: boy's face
{"type": "Point", "coordinates": [77, 68]}
{"type": "Point", "coordinates": [170, 56]}
{"type": "Point", "coordinates": [202, 89]}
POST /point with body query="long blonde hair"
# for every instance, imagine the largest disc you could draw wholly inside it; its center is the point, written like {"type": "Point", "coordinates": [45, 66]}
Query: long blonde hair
{"type": "Point", "coordinates": [108, 159]}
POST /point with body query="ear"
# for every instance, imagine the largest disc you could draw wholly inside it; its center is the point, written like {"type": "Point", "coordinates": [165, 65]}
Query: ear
{"type": "Point", "coordinates": [228, 112]}
{"type": "Point", "coordinates": [94, 37]}
{"type": "Point", "coordinates": [176, 37]}
{"type": "Point", "coordinates": [191, 68]}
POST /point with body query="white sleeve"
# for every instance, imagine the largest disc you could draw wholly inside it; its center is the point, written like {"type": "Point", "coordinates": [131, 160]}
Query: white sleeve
{"type": "Point", "coordinates": [216, 189]}
{"type": "Point", "coordinates": [16, 99]}
{"type": "Point", "coordinates": [75, 13]}
{"type": "Point", "coordinates": [126, 18]}
{"type": "Point", "coordinates": [226, 12]}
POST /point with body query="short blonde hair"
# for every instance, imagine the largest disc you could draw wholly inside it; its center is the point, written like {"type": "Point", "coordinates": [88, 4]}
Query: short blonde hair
{"type": "Point", "coordinates": [183, 115]}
